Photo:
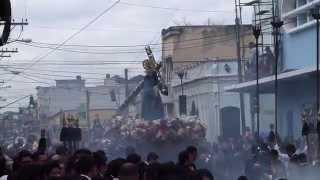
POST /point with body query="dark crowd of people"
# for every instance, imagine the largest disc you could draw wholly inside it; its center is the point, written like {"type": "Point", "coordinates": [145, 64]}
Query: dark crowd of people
{"type": "Point", "coordinates": [264, 157]}
{"type": "Point", "coordinates": [86, 165]}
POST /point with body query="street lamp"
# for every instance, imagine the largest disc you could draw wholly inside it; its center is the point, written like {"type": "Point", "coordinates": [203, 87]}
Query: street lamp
{"type": "Point", "coordinates": [276, 24]}
{"type": "Point", "coordinates": [257, 32]}
{"type": "Point", "coordinates": [316, 15]}
{"type": "Point", "coordinates": [181, 75]}
{"type": "Point", "coordinates": [25, 40]}
{"type": "Point", "coordinates": [182, 97]}
{"type": "Point", "coordinates": [28, 40]}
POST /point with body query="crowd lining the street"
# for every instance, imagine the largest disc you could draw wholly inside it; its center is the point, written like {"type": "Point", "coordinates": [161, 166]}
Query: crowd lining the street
{"type": "Point", "coordinates": [249, 157]}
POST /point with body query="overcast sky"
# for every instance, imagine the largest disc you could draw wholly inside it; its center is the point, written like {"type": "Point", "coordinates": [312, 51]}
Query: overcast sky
{"type": "Point", "coordinates": [128, 23]}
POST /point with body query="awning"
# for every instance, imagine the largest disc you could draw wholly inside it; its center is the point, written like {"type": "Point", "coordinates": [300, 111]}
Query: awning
{"type": "Point", "coordinates": [267, 83]}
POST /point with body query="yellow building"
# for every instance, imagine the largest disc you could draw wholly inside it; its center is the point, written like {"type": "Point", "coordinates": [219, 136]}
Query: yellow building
{"type": "Point", "coordinates": [185, 45]}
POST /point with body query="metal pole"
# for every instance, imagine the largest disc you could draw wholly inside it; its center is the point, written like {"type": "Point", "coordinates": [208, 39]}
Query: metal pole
{"type": "Point", "coordinates": [276, 24]}
{"type": "Point", "coordinates": [126, 77]}
{"type": "Point", "coordinates": [276, 81]}
{"type": "Point", "coordinates": [318, 64]}
{"type": "Point", "coordinates": [257, 88]}
{"type": "Point", "coordinates": [256, 33]}
{"type": "Point", "coordinates": [242, 113]}
{"type": "Point", "coordinates": [88, 109]}
{"type": "Point", "coordinates": [182, 92]}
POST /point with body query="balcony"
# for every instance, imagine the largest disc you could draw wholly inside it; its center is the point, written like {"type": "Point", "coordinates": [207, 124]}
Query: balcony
{"type": "Point", "coordinates": [266, 67]}
{"type": "Point", "coordinates": [293, 12]}
{"type": "Point", "coordinates": [297, 15]}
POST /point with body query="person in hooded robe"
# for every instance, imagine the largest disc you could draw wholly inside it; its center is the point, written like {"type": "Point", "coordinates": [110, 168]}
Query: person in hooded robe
{"type": "Point", "coordinates": [152, 107]}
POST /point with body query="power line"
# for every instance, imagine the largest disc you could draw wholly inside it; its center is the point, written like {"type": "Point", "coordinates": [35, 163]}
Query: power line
{"type": "Point", "coordinates": [96, 29]}
{"type": "Point", "coordinates": [56, 75]}
{"type": "Point", "coordinates": [60, 71]}
{"type": "Point", "coordinates": [35, 80]}
{"type": "Point", "coordinates": [15, 101]}
{"type": "Point", "coordinates": [174, 9]}
{"type": "Point", "coordinates": [72, 36]}
{"type": "Point", "coordinates": [135, 45]}
{"type": "Point", "coordinates": [78, 64]}
{"type": "Point", "coordinates": [134, 52]}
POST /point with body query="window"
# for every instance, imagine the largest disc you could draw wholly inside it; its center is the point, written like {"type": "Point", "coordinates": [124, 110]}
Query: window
{"type": "Point", "coordinates": [302, 18]}
{"type": "Point", "coordinates": [301, 2]}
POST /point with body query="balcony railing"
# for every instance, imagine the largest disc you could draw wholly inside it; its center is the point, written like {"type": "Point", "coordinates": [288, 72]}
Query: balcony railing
{"type": "Point", "coordinates": [266, 67]}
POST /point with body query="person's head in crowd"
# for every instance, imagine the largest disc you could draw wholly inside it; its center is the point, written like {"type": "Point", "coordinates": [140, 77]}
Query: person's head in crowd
{"type": "Point", "coordinates": [130, 150]}
{"type": "Point", "coordinates": [56, 157]}
{"type": "Point", "coordinates": [23, 159]}
{"type": "Point", "coordinates": [86, 166]}
{"type": "Point", "coordinates": [101, 161]}
{"type": "Point", "coordinates": [153, 171]}
{"type": "Point", "coordinates": [70, 165]}
{"type": "Point", "coordinates": [302, 159]}
{"type": "Point", "coordinates": [205, 174]}
{"type": "Point", "coordinates": [40, 158]}
{"type": "Point", "coordinates": [255, 150]}
{"type": "Point", "coordinates": [169, 171]}
{"type": "Point", "coordinates": [2, 165]}
{"type": "Point", "coordinates": [83, 152]}
{"type": "Point", "coordinates": [61, 150]}
{"type": "Point", "coordinates": [129, 171]}
{"type": "Point", "coordinates": [30, 172]}
{"type": "Point", "coordinates": [19, 142]}
{"type": "Point", "coordinates": [114, 167]}
{"type": "Point", "coordinates": [242, 178]}
{"type": "Point", "coordinates": [152, 158]}
{"type": "Point", "coordinates": [274, 154]}
{"type": "Point", "coordinates": [134, 158]}
{"type": "Point", "coordinates": [55, 171]}
{"type": "Point", "coordinates": [192, 153]}
{"type": "Point", "coordinates": [291, 150]}
{"type": "Point", "coordinates": [183, 158]}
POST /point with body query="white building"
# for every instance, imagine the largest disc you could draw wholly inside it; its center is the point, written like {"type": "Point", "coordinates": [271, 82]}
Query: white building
{"type": "Point", "coordinates": [204, 87]}
{"type": "Point", "coordinates": [74, 95]}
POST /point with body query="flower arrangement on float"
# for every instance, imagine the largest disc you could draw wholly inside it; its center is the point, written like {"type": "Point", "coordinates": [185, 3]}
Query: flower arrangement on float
{"type": "Point", "coordinates": [188, 128]}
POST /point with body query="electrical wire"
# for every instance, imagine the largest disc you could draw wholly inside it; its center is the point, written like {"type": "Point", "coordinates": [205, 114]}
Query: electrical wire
{"type": "Point", "coordinates": [174, 9]}
{"type": "Point", "coordinates": [60, 71]}
{"type": "Point", "coordinates": [95, 29]}
{"type": "Point", "coordinates": [39, 58]}
{"type": "Point", "coordinates": [30, 78]}
{"type": "Point", "coordinates": [78, 64]}
{"type": "Point", "coordinates": [137, 45]}
{"type": "Point", "coordinates": [56, 76]}
{"type": "Point", "coordinates": [218, 39]}
{"type": "Point", "coordinates": [132, 52]}
{"type": "Point", "coordinates": [15, 101]}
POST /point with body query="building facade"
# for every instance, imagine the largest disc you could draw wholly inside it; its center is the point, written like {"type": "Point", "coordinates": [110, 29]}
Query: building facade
{"type": "Point", "coordinates": [207, 56]}
{"type": "Point", "coordinates": [203, 86]}
{"type": "Point", "coordinates": [297, 78]}
{"type": "Point", "coordinates": [74, 95]}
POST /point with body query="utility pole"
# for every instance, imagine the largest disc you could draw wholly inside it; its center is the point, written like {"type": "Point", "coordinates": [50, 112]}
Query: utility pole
{"type": "Point", "coordinates": [126, 79]}
{"type": "Point", "coordinates": [276, 24]}
{"type": "Point", "coordinates": [88, 108]}
{"type": "Point", "coordinates": [240, 80]}
{"type": "Point", "coordinates": [126, 82]}
{"type": "Point", "coordinates": [257, 32]}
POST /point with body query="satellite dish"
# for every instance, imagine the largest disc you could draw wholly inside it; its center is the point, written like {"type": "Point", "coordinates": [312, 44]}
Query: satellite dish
{"type": "Point", "coordinates": [5, 19]}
